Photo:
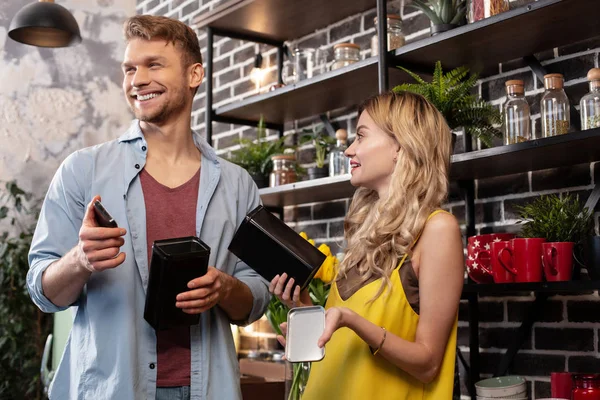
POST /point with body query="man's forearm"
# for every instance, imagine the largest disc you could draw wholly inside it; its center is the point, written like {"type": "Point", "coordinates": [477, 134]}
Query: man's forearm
{"type": "Point", "coordinates": [63, 280]}
{"type": "Point", "coordinates": [238, 301]}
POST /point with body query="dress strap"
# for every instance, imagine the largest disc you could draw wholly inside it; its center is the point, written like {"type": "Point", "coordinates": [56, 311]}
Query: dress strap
{"type": "Point", "coordinates": [435, 212]}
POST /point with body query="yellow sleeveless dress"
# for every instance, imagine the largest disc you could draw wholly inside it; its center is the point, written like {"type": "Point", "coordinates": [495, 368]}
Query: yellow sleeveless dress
{"type": "Point", "coordinates": [350, 371]}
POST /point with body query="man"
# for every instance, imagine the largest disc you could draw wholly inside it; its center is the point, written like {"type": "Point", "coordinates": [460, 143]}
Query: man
{"type": "Point", "coordinates": [159, 180]}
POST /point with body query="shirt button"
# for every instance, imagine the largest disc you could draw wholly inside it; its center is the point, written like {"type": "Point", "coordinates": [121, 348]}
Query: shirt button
{"type": "Point", "coordinates": [152, 365]}
{"type": "Point", "coordinates": [143, 148]}
{"type": "Point", "coordinates": [137, 166]}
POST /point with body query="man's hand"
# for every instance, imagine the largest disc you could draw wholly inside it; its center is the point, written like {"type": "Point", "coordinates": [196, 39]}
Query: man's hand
{"type": "Point", "coordinates": [98, 248]}
{"type": "Point", "coordinates": [205, 292]}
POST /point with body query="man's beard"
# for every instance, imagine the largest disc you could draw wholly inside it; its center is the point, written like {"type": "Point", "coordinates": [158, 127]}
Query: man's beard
{"type": "Point", "coordinates": [165, 112]}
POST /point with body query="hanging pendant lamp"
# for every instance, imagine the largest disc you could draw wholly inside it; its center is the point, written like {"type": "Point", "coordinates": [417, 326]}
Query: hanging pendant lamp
{"type": "Point", "coordinates": [45, 24]}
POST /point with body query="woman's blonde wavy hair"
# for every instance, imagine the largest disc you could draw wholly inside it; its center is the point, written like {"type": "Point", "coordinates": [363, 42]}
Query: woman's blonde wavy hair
{"type": "Point", "coordinates": [378, 232]}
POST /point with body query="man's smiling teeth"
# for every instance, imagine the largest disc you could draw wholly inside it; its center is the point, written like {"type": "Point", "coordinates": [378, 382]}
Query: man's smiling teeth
{"type": "Point", "coordinates": [148, 96]}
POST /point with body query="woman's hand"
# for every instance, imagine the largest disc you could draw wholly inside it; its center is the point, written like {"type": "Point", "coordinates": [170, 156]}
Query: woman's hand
{"type": "Point", "coordinates": [283, 291]}
{"type": "Point", "coordinates": [335, 318]}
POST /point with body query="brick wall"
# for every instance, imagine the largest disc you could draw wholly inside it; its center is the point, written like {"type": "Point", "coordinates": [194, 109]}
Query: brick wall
{"type": "Point", "coordinates": [566, 338]}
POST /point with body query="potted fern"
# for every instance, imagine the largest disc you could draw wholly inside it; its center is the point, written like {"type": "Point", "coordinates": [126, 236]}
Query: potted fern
{"type": "Point", "coordinates": [451, 94]}
{"type": "Point", "coordinates": [443, 14]}
{"type": "Point", "coordinates": [255, 156]}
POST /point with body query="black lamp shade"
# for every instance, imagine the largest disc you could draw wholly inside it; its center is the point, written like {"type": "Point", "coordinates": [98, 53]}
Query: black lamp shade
{"type": "Point", "coordinates": [45, 24]}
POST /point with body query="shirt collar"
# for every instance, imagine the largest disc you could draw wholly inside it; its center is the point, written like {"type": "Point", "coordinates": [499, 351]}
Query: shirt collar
{"type": "Point", "coordinates": [135, 132]}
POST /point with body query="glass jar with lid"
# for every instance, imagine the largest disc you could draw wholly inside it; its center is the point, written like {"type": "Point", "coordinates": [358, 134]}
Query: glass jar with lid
{"type": "Point", "coordinates": [517, 122]}
{"type": "Point", "coordinates": [284, 170]}
{"type": "Point", "coordinates": [395, 37]}
{"type": "Point", "coordinates": [590, 103]}
{"type": "Point", "coordinates": [345, 54]}
{"type": "Point", "coordinates": [555, 107]}
{"type": "Point", "coordinates": [586, 387]}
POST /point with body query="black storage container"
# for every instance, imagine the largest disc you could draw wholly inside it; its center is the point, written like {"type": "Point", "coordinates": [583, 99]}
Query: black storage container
{"type": "Point", "coordinates": [270, 247]}
{"type": "Point", "coordinates": [174, 263]}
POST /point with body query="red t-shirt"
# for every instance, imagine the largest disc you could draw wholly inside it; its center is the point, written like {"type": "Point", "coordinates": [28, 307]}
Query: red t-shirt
{"type": "Point", "coordinates": [171, 213]}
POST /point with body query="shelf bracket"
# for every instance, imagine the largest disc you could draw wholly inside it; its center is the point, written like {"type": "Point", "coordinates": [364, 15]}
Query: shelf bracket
{"type": "Point", "coordinates": [591, 202]}
{"type": "Point", "coordinates": [328, 126]}
{"type": "Point", "coordinates": [473, 343]}
{"type": "Point", "coordinates": [467, 369]}
{"type": "Point", "coordinates": [539, 71]}
{"type": "Point", "coordinates": [382, 65]}
{"type": "Point", "coordinates": [522, 334]}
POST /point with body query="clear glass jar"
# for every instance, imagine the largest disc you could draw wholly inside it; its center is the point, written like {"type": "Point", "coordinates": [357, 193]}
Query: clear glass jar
{"type": "Point", "coordinates": [395, 37]}
{"type": "Point", "coordinates": [284, 170]}
{"type": "Point", "coordinates": [345, 54]}
{"type": "Point", "coordinates": [480, 9]}
{"type": "Point", "coordinates": [555, 107]}
{"type": "Point", "coordinates": [586, 387]}
{"type": "Point", "coordinates": [590, 103]}
{"type": "Point", "coordinates": [517, 121]}
{"type": "Point", "coordinates": [304, 62]}
{"type": "Point", "coordinates": [339, 164]}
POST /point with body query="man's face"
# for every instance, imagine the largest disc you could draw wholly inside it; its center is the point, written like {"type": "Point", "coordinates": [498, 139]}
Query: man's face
{"type": "Point", "coordinates": [156, 84]}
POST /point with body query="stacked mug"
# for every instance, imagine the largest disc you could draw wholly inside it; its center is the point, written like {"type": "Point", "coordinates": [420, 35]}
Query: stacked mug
{"type": "Point", "coordinates": [504, 258]}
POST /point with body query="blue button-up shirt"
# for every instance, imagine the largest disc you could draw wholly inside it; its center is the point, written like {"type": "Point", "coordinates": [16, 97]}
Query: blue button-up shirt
{"type": "Point", "coordinates": [111, 350]}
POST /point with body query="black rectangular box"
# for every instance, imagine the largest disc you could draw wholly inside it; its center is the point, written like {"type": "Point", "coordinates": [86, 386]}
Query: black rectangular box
{"type": "Point", "coordinates": [270, 247]}
{"type": "Point", "coordinates": [174, 263]}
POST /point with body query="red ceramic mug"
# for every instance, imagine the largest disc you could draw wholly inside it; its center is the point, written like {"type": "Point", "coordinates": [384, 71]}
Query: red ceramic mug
{"type": "Point", "coordinates": [501, 274]}
{"type": "Point", "coordinates": [561, 384]}
{"type": "Point", "coordinates": [557, 259]}
{"type": "Point", "coordinates": [525, 261]}
{"type": "Point", "coordinates": [478, 255]}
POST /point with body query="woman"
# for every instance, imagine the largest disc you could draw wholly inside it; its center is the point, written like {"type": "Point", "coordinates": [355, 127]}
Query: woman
{"type": "Point", "coordinates": [390, 330]}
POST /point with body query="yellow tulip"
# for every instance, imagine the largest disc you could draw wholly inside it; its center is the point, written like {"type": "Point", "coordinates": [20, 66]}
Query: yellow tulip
{"type": "Point", "coordinates": [327, 270]}
{"type": "Point", "coordinates": [325, 249]}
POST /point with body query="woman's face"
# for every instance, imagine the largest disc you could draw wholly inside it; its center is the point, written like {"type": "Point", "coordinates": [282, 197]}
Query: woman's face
{"type": "Point", "coordinates": [372, 156]}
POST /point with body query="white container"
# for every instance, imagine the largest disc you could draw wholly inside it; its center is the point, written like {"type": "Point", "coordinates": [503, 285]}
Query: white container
{"type": "Point", "coordinates": [504, 387]}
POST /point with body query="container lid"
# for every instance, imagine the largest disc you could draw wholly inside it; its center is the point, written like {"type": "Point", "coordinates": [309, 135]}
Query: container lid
{"type": "Point", "coordinates": [594, 74]}
{"type": "Point", "coordinates": [290, 157]}
{"type": "Point", "coordinates": [341, 134]}
{"type": "Point", "coordinates": [515, 86]}
{"type": "Point", "coordinates": [515, 82]}
{"type": "Point", "coordinates": [346, 45]}
{"type": "Point", "coordinates": [553, 81]}
{"type": "Point", "coordinates": [390, 16]}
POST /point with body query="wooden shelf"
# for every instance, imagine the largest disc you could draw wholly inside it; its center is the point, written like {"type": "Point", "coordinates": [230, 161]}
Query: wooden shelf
{"type": "Point", "coordinates": [537, 287]}
{"type": "Point", "coordinates": [480, 46]}
{"type": "Point", "coordinates": [343, 87]}
{"type": "Point", "coordinates": [523, 31]}
{"type": "Point", "coordinates": [280, 20]}
{"type": "Point", "coordinates": [316, 190]}
{"type": "Point", "coordinates": [564, 150]}
{"type": "Point", "coordinates": [558, 151]}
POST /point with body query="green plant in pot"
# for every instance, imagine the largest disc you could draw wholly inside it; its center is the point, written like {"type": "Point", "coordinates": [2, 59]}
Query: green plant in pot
{"type": "Point", "coordinates": [255, 155]}
{"type": "Point", "coordinates": [323, 144]}
{"type": "Point", "coordinates": [452, 94]}
{"type": "Point", "coordinates": [443, 14]}
{"type": "Point", "coordinates": [23, 327]}
{"type": "Point", "coordinates": [564, 223]}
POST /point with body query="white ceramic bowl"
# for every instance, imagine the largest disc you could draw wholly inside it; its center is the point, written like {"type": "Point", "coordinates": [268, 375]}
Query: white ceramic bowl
{"type": "Point", "coordinates": [504, 387]}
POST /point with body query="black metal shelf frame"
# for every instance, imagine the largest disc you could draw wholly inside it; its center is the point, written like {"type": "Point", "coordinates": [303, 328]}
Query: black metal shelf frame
{"type": "Point", "coordinates": [384, 61]}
